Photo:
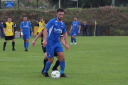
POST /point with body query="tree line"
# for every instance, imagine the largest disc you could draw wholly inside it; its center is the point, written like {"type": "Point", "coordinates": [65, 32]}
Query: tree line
{"type": "Point", "coordinates": [89, 3]}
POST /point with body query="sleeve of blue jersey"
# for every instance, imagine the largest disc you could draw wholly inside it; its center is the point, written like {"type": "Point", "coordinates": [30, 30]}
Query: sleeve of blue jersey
{"type": "Point", "coordinates": [72, 24]}
{"type": "Point", "coordinates": [49, 24]}
{"type": "Point", "coordinates": [79, 23]}
{"type": "Point", "coordinates": [21, 26]}
{"type": "Point", "coordinates": [64, 29]}
{"type": "Point", "coordinates": [30, 24]}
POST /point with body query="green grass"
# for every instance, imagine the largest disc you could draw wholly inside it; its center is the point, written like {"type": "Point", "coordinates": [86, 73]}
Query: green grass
{"type": "Point", "coordinates": [93, 61]}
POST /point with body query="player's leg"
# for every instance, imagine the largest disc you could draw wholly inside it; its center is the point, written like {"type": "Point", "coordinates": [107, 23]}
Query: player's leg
{"type": "Point", "coordinates": [62, 64]}
{"type": "Point", "coordinates": [71, 38]}
{"type": "Point", "coordinates": [45, 58]}
{"type": "Point", "coordinates": [44, 61]}
{"type": "Point", "coordinates": [57, 62]}
{"type": "Point", "coordinates": [13, 43]}
{"type": "Point", "coordinates": [24, 38]}
{"type": "Point", "coordinates": [5, 42]}
{"type": "Point", "coordinates": [41, 39]}
{"type": "Point", "coordinates": [24, 43]}
{"type": "Point", "coordinates": [27, 42]}
{"type": "Point", "coordinates": [47, 66]}
{"type": "Point", "coordinates": [75, 38]}
{"type": "Point", "coordinates": [50, 56]}
{"type": "Point", "coordinates": [60, 53]}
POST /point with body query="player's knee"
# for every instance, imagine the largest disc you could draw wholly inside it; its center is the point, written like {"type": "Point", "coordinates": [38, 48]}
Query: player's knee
{"type": "Point", "coordinates": [72, 36]}
{"type": "Point", "coordinates": [13, 40]}
{"type": "Point", "coordinates": [45, 56]}
{"type": "Point", "coordinates": [51, 60]}
{"type": "Point", "coordinates": [27, 40]}
{"type": "Point", "coordinates": [58, 58]}
{"type": "Point", "coordinates": [62, 59]}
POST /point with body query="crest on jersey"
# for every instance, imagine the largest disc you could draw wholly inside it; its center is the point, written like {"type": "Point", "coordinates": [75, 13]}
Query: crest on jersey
{"type": "Point", "coordinates": [49, 55]}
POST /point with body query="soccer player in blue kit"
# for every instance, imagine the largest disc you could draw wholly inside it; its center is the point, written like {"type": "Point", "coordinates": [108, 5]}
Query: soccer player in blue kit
{"type": "Point", "coordinates": [75, 28]}
{"type": "Point", "coordinates": [25, 27]}
{"type": "Point", "coordinates": [52, 42]}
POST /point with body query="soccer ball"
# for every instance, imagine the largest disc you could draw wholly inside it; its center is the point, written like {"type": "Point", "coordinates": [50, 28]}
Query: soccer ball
{"type": "Point", "coordinates": [55, 74]}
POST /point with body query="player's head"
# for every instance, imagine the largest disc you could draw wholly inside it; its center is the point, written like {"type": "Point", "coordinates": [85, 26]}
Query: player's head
{"type": "Point", "coordinates": [75, 18]}
{"type": "Point", "coordinates": [2, 21]}
{"type": "Point", "coordinates": [41, 19]}
{"type": "Point", "coordinates": [85, 22]}
{"type": "Point", "coordinates": [36, 21]}
{"type": "Point", "coordinates": [60, 14]}
{"type": "Point", "coordinates": [9, 19]}
{"type": "Point", "coordinates": [25, 19]}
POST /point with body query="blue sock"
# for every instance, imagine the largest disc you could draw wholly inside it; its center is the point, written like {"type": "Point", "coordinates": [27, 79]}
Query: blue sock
{"type": "Point", "coordinates": [27, 44]}
{"type": "Point", "coordinates": [62, 67]}
{"type": "Point", "coordinates": [75, 40]}
{"type": "Point", "coordinates": [47, 66]}
{"type": "Point", "coordinates": [71, 40]}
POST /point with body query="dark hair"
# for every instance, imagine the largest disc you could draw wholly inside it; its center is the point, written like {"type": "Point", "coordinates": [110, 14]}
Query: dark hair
{"type": "Point", "coordinates": [24, 16]}
{"type": "Point", "coordinates": [60, 10]}
{"type": "Point", "coordinates": [2, 20]}
{"type": "Point", "coordinates": [75, 17]}
{"type": "Point", "coordinates": [41, 18]}
{"type": "Point", "coordinates": [9, 17]}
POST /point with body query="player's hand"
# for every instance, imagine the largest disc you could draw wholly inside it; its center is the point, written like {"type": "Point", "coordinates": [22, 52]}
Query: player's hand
{"type": "Point", "coordinates": [69, 31]}
{"type": "Point", "coordinates": [44, 43]}
{"type": "Point", "coordinates": [5, 34]}
{"type": "Point", "coordinates": [21, 34]}
{"type": "Point", "coordinates": [67, 47]}
{"type": "Point", "coordinates": [33, 42]}
{"type": "Point", "coordinates": [78, 31]}
{"type": "Point", "coordinates": [32, 33]}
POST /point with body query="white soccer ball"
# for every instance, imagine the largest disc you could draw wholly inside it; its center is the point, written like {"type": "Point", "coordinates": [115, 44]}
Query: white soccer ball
{"type": "Point", "coordinates": [55, 74]}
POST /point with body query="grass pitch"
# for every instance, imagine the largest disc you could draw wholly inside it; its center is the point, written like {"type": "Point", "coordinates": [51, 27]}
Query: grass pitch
{"type": "Point", "coordinates": [93, 61]}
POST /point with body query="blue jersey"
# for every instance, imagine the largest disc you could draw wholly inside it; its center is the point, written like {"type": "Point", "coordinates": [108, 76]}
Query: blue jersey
{"type": "Point", "coordinates": [26, 27]}
{"type": "Point", "coordinates": [75, 26]}
{"type": "Point", "coordinates": [54, 30]}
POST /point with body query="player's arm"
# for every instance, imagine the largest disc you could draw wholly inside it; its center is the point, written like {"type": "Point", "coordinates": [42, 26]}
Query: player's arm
{"type": "Point", "coordinates": [65, 37]}
{"type": "Point", "coordinates": [79, 27]}
{"type": "Point", "coordinates": [70, 29]}
{"type": "Point", "coordinates": [45, 37]}
{"type": "Point", "coordinates": [30, 27]}
{"type": "Point", "coordinates": [44, 23]}
{"type": "Point", "coordinates": [47, 27]}
{"type": "Point", "coordinates": [66, 40]}
{"type": "Point", "coordinates": [4, 29]}
{"type": "Point", "coordinates": [37, 25]}
{"type": "Point", "coordinates": [21, 29]}
{"type": "Point", "coordinates": [62, 39]}
{"type": "Point", "coordinates": [34, 41]}
{"type": "Point", "coordinates": [13, 30]}
{"type": "Point", "coordinates": [36, 28]}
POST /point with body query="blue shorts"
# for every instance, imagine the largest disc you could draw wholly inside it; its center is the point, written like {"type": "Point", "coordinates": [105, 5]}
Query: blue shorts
{"type": "Point", "coordinates": [55, 48]}
{"type": "Point", "coordinates": [74, 33]}
{"type": "Point", "coordinates": [25, 37]}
